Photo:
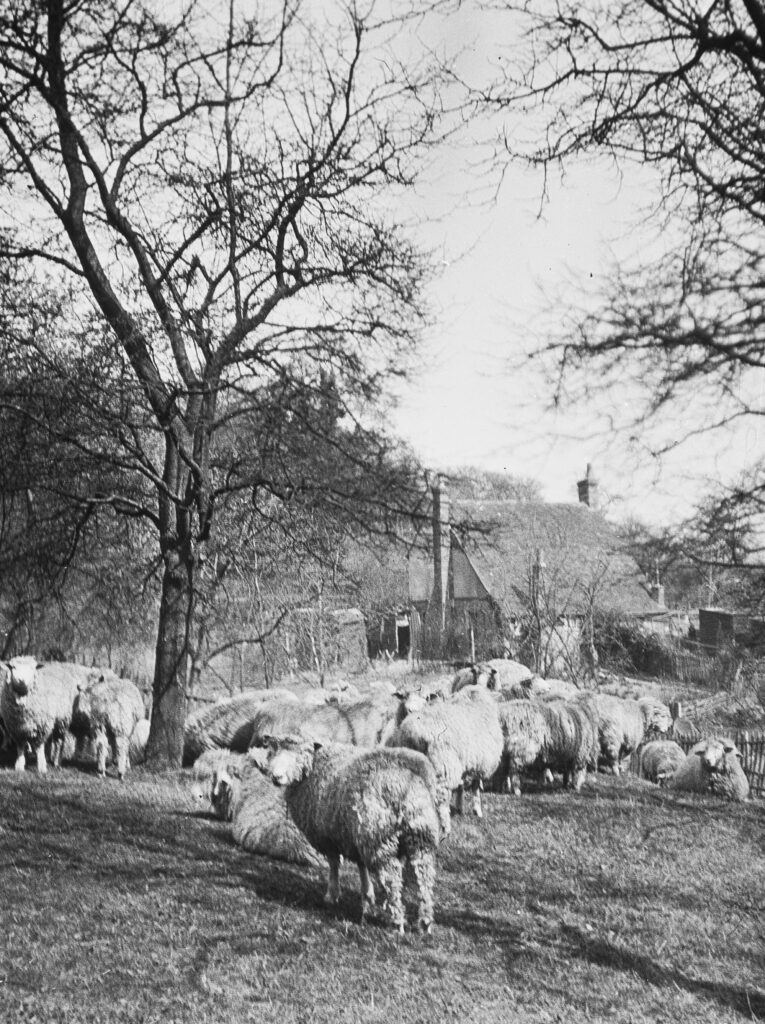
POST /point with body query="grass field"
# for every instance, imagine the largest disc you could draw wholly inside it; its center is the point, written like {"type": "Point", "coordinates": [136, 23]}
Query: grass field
{"type": "Point", "coordinates": [124, 903]}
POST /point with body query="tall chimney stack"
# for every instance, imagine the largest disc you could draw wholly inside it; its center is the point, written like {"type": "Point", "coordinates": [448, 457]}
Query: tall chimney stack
{"type": "Point", "coordinates": [588, 489]}
{"type": "Point", "coordinates": [441, 545]}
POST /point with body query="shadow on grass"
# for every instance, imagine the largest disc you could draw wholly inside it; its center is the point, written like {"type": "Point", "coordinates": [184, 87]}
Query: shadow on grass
{"type": "Point", "coordinates": [749, 1003]}
{"type": "Point", "coordinates": [515, 941]}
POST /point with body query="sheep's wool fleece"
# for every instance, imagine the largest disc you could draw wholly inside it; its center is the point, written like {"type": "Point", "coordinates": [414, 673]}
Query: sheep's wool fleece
{"type": "Point", "coordinates": [47, 707]}
{"type": "Point", "coordinates": [571, 741]}
{"type": "Point", "coordinates": [524, 727]}
{"type": "Point", "coordinates": [367, 806]}
{"type": "Point", "coordinates": [261, 822]}
{"type": "Point", "coordinates": [112, 704]}
{"type": "Point", "coordinates": [621, 725]}
{"type": "Point", "coordinates": [461, 736]}
{"type": "Point", "coordinates": [360, 723]}
{"type": "Point", "coordinates": [227, 723]}
{"type": "Point", "coordinates": [660, 759]}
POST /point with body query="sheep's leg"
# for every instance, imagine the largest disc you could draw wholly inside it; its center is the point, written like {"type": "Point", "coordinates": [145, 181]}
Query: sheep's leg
{"type": "Point", "coordinates": [391, 875]}
{"type": "Point", "coordinates": [42, 764]}
{"type": "Point", "coordinates": [424, 868]}
{"type": "Point", "coordinates": [20, 763]}
{"type": "Point", "coordinates": [460, 801]}
{"type": "Point", "coordinates": [513, 783]}
{"type": "Point", "coordinates": [332, 895]}
{"type": "Point", "coordinates": [476, 788]}
{"type": "Point", "coordinates": [443, 805]}
{"type": "Point", "coordinates": [121, 751]}
{"type": "Point", "coordinates": [56, 751]}
{"type": "Point", "coordinates": [102, 748]}
{"type": "Point", "coordinates": [367, 891]}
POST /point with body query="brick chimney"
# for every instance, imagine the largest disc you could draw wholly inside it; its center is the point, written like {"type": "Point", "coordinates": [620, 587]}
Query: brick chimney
{"type": "Point", "coordinates": [441, 544]}
{"type": "Point", "coordinates": [588, 488]}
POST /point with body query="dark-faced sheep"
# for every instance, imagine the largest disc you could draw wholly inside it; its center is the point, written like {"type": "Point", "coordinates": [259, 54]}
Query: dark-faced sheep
{"type": "Point", "coordinates": [36, 705]}
{"type": "Point", "coordinates": [713, 766]}
{"type": "Point", "coordinates": [106, 711]}
{"type": "Point", "coordinates": [660, 759]}
{"type": "Point", "coordinates": [462, 739]}
{"type": "Point", "coordinates": [376, 808]}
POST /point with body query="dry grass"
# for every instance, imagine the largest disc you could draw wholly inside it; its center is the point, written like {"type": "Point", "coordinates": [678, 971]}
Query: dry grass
{"type": "Point", "coordinates": [122, 903]}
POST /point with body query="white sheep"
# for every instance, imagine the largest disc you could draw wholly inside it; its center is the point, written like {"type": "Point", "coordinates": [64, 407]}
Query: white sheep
{"type": "Point", "coordinates": [260, 821]}
{"type": "Point", "coordinates": [462, 739]}
{"type": "Point", "coordinates": [36, 705]}
{"type": "Point", "coordinates": [525, 734]}
{"type": "Point", "coordinates": [363, 723]}
{"type": "Point", "coordinates": [216, 774]}
{"type": "Point", "coordinates": [376, 808]}
{"type": "Point", "coordinates": [570, 744]}
{"type": "Point", "coordinates": [624, 724]}
{"type": "Point", "coordinates": [227, 723]}
{"type": "Point", "coordinates": [713, 766]}
{"type": "Point", "coordinates": [660, 759]}
{"type": "Point", "coordinates": [106, 711]}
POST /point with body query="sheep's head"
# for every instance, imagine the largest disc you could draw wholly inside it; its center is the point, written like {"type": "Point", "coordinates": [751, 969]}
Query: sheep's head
{"type": "Point", "coordinates": [21, 674]}
{"type": "Point", "coordinates": [285, 760]}
{"type": "Point", "coordinates": [484, 676]}
{"type": "Point", "coordinates": [657, 717]}
{"type": "Point", "coordinates": [715, 753]}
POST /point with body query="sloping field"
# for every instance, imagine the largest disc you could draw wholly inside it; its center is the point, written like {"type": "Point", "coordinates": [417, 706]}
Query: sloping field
{"type": "Point", "coordinates": [122, 903]}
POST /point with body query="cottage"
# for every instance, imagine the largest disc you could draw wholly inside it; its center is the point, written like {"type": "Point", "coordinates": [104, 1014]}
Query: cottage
{"type": "Point", "coordinates": [493, 567]}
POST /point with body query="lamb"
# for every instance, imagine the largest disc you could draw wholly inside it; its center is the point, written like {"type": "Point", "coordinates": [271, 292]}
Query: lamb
{"type": "Point", "coordinates": [106, 711]}
{"type": "Point", "coordinates": [713, 766]}
{"type": "Point", "coordinates": [376, 808]}
{"type": "Point", "coordinates": [362, 723]}
{"type": "Point", "coordinates": [461, 737]}
{"type": "Point", "coordinates": [227, 723]}
{"type": "Point", "coordinates": [624, 724]}
{"type": "Point", "coordinates": [660, 759]}
{"type": "Point", "coordinates": [36, 706]}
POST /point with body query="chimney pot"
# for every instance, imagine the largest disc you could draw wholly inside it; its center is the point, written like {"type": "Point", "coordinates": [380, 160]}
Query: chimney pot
{"type": "Point", "coordinates": [588, 488]}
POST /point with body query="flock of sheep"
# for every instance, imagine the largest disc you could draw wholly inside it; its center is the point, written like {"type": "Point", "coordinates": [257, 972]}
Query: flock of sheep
{"type": "Point", "coordinates": [369, 779]}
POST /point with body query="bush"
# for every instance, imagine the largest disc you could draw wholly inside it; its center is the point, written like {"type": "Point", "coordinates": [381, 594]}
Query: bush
{"type": "Point", "coordinates": [623, 645]}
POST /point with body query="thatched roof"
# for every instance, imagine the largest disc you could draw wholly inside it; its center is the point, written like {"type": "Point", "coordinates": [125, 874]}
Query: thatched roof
{"type": "Point", "coordinates": [495, 544]}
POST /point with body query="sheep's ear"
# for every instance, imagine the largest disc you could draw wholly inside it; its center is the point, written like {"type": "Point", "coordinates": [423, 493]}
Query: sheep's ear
{"type": "Point", "coordinates": [699, 748]}
{"type": "Point", "coordinates": [81, 687]}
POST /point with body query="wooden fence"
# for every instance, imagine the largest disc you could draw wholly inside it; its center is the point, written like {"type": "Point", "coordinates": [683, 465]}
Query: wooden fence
{"type": "Point", "coordinates": [752, 747]}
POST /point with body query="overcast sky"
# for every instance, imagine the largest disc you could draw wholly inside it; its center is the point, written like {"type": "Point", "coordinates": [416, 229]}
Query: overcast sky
{"type": "Point", "coordinates": [468, 404]}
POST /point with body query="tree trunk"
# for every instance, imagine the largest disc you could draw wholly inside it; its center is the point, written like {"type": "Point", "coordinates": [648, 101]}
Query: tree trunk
{"type": "Point", "coordinates": [165, 745]}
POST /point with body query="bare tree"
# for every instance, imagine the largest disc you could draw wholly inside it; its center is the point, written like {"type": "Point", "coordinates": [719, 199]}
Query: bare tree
{"type": "Point", "coordinates": [212, 184]}
{"type": "Point", "coordinates": [680, 87]}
